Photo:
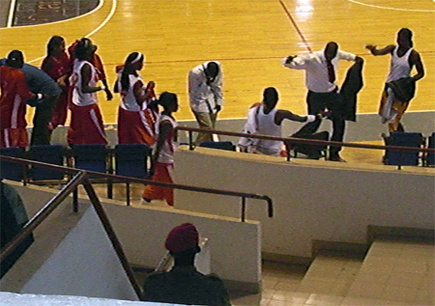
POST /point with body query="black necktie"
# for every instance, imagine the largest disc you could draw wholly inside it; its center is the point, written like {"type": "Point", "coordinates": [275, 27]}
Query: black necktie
{"type": "Point", "coordinates": [331, 71]}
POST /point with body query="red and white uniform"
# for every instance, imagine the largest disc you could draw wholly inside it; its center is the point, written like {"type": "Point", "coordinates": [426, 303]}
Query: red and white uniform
{"type": "Point", "coordinates": [56, 68]}
{"type": "Point", "coordinates": [14, 93]}
{"type": "Point", "coordinates": [164, 167]}
{"type": "Point", "coordinates": [136, 123]}
{"type": "Point", "coordinates": [86, 120]}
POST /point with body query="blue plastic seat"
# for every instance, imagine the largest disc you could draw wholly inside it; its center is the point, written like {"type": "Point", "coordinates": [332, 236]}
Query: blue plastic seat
{"type": "Point", "coordinates": [131, 160]}
{"type": "Point", "coordinates": [10, 170]}
{"type": "Point", "coordinates": [92, 157]}
{"type": "Point", "coordinates": [403, 139]}
{"type": "Point", "coordinates": [221, 145]}
{"type": "Point", "coordinates": [50, 154]}
{"type": "Point", "coordinates": [430, 157]}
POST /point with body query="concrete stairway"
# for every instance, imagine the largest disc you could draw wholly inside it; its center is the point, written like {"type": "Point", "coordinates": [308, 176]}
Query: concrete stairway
{"type": "Point", "coordinates": [399, 270]}
{"type": "Point", "coordinates": [395, 271]}
{"type": "Point", "coordinates": [331, 273]}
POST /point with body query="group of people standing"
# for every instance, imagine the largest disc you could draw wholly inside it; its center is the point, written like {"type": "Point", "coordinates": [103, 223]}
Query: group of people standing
{"type": "Point", "coordinates": [69, 78]}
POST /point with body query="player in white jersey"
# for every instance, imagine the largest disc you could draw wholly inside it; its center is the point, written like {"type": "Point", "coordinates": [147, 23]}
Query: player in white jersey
{"type": "Point", "coordinates": [399, 80]}
{"type": "Point", "coordinates": [136, 114]}
{"type": "Point", "coordinates": [265, 119]}
{"type": "Point", "coordinates": [163, 157]}
{"type": "Point", "coordinates": [86, 125]}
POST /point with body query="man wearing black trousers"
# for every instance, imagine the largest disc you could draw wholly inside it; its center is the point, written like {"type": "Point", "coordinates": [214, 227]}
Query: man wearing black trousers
{"type": "Point", "coordinates": [323, 93]}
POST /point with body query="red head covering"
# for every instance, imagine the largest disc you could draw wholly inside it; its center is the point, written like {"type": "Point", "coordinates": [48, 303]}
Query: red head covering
{"type": "Point", "coordinates": [182, 238]}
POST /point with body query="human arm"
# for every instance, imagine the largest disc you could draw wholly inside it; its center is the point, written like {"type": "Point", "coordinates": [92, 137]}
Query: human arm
{"type": "Point", "coordinates": [99, 67]}
{"type": "Point", "coordinates": [197, 88]}
{"type": "Point", "coordinates": [109, 95]}
{"type": "Point", "coordinates": [116, 86]}
{"type": "Point", "coordinates": [86, 77]}
{"type": "Point", "coordinates": [165, 129]}
{"type": "Point", "coordinates": [281, 115]}
{"type": "Point", "coordinates": [380, 51]}
{"type": "Point", "coordinates": [296, 62]}
{"type": "Point", "coordinates": [85, 73]}
{"type": "Point", "coordinates": [141, 93]}
{"type": "Point", "coordinates": [415, 59]}
{"type": "Point", "coordinates": [216, 89]}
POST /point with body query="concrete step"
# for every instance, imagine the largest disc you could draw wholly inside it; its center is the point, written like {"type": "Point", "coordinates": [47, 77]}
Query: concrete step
{"type": "Point", "coordinates": [396, 269]}
{"type": "Point", "coordinates": [331, 273]}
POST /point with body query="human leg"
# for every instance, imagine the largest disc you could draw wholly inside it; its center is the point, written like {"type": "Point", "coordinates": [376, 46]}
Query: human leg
{"type": "Point", "coordinates": [338, 129]}
{"type": "Point", "coordinates": [41, 133]}
{"type": "Point", "coordinates": [315, 104]}
{"type": "Point", "coordinates": [205, 121]}
{"type": "Point", "coordinates": [397, 126]}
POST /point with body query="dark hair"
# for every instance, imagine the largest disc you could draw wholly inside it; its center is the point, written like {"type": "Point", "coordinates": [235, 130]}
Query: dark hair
{"type": "Point", "coordinates": [166, 99]}
{"type": "Point", "coordinates": [128, 69]}
{"type": "Point", "coordinates": [270, 94]}
{"type": "Point", "coordinates": [82, 48]}
{"type": "Point", "coordinates": [54, 42]}
{"type": "Point", "coordinates": [406, 34]}
{"type": "Point", "coordinates": [212, 69]}
{"type": "Point", "coordinates": [15, 59]}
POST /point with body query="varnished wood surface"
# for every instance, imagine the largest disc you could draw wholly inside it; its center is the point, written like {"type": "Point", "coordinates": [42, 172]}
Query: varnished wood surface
{"type": "Point", "coordinates": [249, 37]}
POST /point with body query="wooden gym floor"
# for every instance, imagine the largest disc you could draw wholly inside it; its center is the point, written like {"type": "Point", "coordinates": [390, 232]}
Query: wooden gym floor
{"type": "Point", "coordinates": [249, 37]}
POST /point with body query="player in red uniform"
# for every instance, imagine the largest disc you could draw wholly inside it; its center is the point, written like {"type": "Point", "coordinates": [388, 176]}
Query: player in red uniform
{"type": "Point", "coordinates": [136, 114]}
{"type": "Point", "coordinates": [14, 93]}
{"type": "Point", "coordinates": [58, 66]}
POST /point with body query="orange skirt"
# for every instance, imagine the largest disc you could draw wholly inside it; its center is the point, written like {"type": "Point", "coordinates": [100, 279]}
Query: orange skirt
{"type": "Point", "coordinates": [162, 173]}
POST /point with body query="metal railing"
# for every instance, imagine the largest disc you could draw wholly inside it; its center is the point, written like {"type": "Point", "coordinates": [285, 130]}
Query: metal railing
{"type": "Point", "coordinates": [294, 140]}
{"type": "Point", "coordinates": [81, 178]}
{"type": "Point", "coordinates": [114, 178]}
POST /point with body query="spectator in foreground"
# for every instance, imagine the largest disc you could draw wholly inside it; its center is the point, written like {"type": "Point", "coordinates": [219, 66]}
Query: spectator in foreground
{"type": "Point", "coordinates": [184, 284]}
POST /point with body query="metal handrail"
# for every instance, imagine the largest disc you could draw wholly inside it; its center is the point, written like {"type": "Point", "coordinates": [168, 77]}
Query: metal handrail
{"type": "Point", "coordinates": [113, 177]}
{"type": "Point", "coordinates": [300, 140]}
{"type": "Point", "coordinates": [41, 215]}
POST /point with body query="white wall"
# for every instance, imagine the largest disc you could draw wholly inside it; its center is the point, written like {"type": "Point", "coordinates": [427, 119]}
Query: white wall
{"type": "Point", "coordinates": [71, 255]}
{"type": "Point", "coordinates": [235, 247]}
{"type": "Point", "coordinates": [312, 199]}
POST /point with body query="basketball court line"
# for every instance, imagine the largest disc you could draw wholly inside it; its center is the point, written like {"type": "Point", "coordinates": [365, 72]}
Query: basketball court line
{"type": "Point", "coordinates": [392, 8]}
{"type": "Point", "coordinates": [105, 21]}
{"type": "Point", "coordinates": [295, 25]}
{"type": "Point", "coordinates": [10, 18]}
{"type": "Point", "coordinates": [12, 9]}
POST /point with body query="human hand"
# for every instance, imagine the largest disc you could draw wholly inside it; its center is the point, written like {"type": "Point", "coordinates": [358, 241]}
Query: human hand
{"type": "Point", "coordinates": [109, 95]}
{"type": "Point", "coordinates": [370, 47]}
{"type": "Point", "coordinates": [290, 59]}
{"type": "Point", "coordinates": [324, 113]}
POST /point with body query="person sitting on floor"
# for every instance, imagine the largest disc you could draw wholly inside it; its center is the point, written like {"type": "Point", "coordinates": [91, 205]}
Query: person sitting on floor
{"type": "Point", "coordinates": [264, 118]}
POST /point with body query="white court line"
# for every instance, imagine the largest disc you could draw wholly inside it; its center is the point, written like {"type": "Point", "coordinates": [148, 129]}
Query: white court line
{"type": "Point", "coordinates": [12, 6]}
{"type": "Point", "coordinates": [392, 8]}
{"type": "Point", "coordinates": [101, 2]}
{"type": "Point", "coordinates": [105, 21]}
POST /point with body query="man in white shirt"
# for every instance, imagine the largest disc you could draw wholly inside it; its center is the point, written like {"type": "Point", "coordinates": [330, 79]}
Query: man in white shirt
{"type": "Point", "coordinates": [320, 70]}
{"type": "Point", "coordinates": [205, 95]}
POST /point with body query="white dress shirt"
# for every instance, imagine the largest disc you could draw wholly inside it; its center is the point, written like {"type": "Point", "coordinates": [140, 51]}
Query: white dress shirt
{"type": "Point", "coordinates": [316, 71]}
{"type": "Point", "coordinates": [203, 97]}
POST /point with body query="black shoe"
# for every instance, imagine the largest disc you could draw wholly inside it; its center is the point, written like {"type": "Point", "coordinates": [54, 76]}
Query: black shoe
{"type": "Point", "coordinates": [314, 156]}
{"type": "Point", "coordinates": [337, 159]}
